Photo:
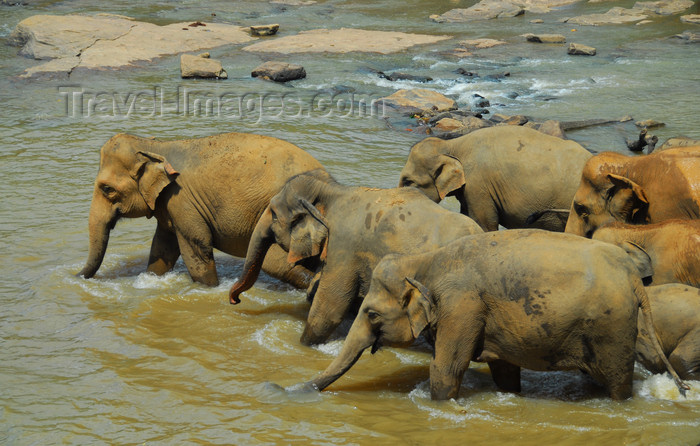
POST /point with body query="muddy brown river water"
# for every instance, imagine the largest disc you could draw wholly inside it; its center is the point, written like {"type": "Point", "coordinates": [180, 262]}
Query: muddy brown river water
{"type": "Point", "coordinates": [130, 358]}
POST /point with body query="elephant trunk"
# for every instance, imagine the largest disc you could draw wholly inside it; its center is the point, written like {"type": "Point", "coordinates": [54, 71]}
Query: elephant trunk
{"type": "Point", "coordinates": [258, 246]}
{"type": "Point", "coordinates": [100, 224]}
{"type": "Point", "coordinates": [359, 338]}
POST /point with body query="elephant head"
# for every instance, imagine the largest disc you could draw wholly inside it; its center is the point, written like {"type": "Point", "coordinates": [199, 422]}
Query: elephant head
{"type": "Point", "coordinates": [395, 311]}
{"type": "Point", "coordinates": [292, 221]}
{"type": "Point", "coordinates": [127, 185]}
{"type": "Point", "coordinates": [602, 198]}
{"type": "Point", "coordinates": [433, 170]}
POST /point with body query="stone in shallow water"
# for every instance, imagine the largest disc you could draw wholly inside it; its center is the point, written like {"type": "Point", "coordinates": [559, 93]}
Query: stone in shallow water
{"type": "Point", "coordinates": [344, 40]}
{"type": "Point", "coordinates": [201, 67]}
{"type": "Point", "coordinates": [279, 71]}
{"type": "Point", "coordinates": [264, 30]}
{"type": "Point", "coordinates": [577, 49]}
{"type": "Point", "coordinates": [419, 100]}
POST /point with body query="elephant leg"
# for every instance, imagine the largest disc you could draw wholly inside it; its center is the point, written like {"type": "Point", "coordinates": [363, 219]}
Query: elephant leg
{"type": "Point", "coordinates": [198, 256]}
{"type": "Point", "coordinates": [335, 293]}
{"type": "Point", "coordinates": [505, 375]}
{"type": "Point", "coordinates": [485, 214]}
{"type": "Point", "coordinates": [165, 251]}
{"type": "Point", "coordinates": [685, 359]}
{"type": "Point", "coordinates": [275, 264]}
{"type": "Point", "coordinates": [455, 342]}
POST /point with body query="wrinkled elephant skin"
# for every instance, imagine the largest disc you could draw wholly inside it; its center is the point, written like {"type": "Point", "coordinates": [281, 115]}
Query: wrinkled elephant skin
{"type": "Point", "coordinates": [350, 229]}
{"type": "Point", "coordinates": [499, 175]}
{"type": "Point", "coordinates": [205, 193]}
{"type": "Point", "coordinates": [519, 298]}
{"type": "Point", "coordinates": [636, 189]}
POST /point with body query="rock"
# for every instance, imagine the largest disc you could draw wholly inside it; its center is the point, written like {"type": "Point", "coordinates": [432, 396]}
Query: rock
{"type": "Point", "coordinates": [664, 7]}
{"type": "Point", "coordinates": [536, 21]}
{"type": "Point", "coordinates": [419, 101]}
{"type": "Point", "coordinates": [398, 76]}
{"type": "Point", "coordinates": [545, 38]}
{"type": "Point", "coordinates": [689, 37]}
{"type": "Point", "coordinates": [279, 71]}
{"type": "Point", "coordinates": [649, 123]}
{"type": "Point", "coordinates": [679, 141]}
{"type": "Point", "coordinates": [264, 30]}
{"type": "Point", "coordinates": [294, 2]}
{"type": "Point", "coordinates": [448, 124]}
{"type": "Point", "coordinates": [515, 120]}
{"type": "Point", "coordinates": [481, 43]}
{"type": "Point", "coordinates": [493, 9]}
{"type": "Point", "coordinates": [484, 10]}
{"type": "Point", "coordinates": [474, 123]}
{"type": "Point", "coordinates": [344, 40]}
{"type": "Point", "coordinates": [466, 73]}
{"type": "Point", "coordinates": [614, 16]}
{"type": "Point", "coordinates": [576, 49]}
{"type": "Point", "coordinates": [479, 101]}
{"type": "Point", "coordinates": [201, 67]}
{"type": "Point", "coordinates": [691, 18]}
{"type": "Point", "coordinates": [553, 128]}
{"type": "Point", "coordinates": [109, 41]}
{"type": "Point", "coordinates": [644, 22]}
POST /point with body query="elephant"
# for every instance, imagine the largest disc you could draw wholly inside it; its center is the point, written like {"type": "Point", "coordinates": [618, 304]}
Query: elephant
{"type": "Point", "coordinates": [638, 189]}
{"type": "Point", "coordinates": [205, 193]}
{"type": "Point", "coordinates": [676, 310]}
{"type": "Point", "coordinates": [517, 298]}
{"type": "Point", "coordinates": [350, 229]}
{"type": "Point", "coordinates": [499, 175]}
{"type": "Point", "coordinates": [671, 248]}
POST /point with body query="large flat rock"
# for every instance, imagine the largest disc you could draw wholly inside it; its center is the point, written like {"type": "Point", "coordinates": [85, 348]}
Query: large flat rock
{"type": "Point", "coordinates": [343, 40]}
{"type": "Point", "coordinates": [109, 41]}
{"type": "Point", "coordinates": [496, 9]}
{"type": "Point", "coordinates": [640, 11]}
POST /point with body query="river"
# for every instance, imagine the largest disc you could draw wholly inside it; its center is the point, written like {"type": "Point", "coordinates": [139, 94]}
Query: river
{"type": "Point", "coordinates": [130, 358]}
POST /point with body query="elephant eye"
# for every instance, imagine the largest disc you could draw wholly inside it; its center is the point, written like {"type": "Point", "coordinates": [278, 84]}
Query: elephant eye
{"type": "Point", "coordinates": [274, 215]}
{"type": "Point", "coordinates": [581, 210]}
{"type": "Point", "coordinates": [405, 182]}
{"type": "Point", "coordinates": [107, 190]}
{"type": "Point", "coordinates": [373, 316]}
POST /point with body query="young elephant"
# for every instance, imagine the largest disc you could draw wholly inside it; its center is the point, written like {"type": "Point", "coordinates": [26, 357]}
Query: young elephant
{"type": "Point", "coordinates": [351, 229]}
{"type": "Point", "coordinates": [676, 310]}
{"type": "Point", "coordinates": [636, 189]}
{"type": "Point", "coordinates": [519, 298]}
{"type": "Point", "coordinates": [671, 248]}
{"type": "Point", "coordinates": [499, 175]}
{"type": "Point", "coordinates": [205, 193]}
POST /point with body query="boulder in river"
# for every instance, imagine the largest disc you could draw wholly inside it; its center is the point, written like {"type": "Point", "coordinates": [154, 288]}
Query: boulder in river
{"type": "Point", "coordinates": [344, 40]}
{"type": "Point", "coordinates": [279, 71]}
{"type": "Point", "coordinates": [614, 16]}
{"type": "Point", "coordinates": [691, 18]}
{"type": "Point", "coordinates": [545, 38]}
{"type": "Point", "coordinates": [201, 66]}
{"type": "Point", "coordinates": [496, 9]}
{"type": "Point", "coordinates": [418, 101]}
{"type": "Point", "coordinates": [264, 30]}
{"type": "Point", "coordinates": [109, 41]}
{"type": "Point", "coordinates": [577, 49]}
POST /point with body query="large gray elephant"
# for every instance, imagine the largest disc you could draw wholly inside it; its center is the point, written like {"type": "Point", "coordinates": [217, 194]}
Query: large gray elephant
{"type": "Point", "coordinates": [671, 248]}
{"type": "Point", "coordinates": [520, 298]}
{"type": "Point", "coordinates": [499, 175]}
{"type": "Point", "coordinates": [676, 310]}
{"type": "Point", "coordinates": [636, 189]}
{"type": "Point", "coordinates": [350, 229]}
{"type": "Point", "coordinates": [205, 193]}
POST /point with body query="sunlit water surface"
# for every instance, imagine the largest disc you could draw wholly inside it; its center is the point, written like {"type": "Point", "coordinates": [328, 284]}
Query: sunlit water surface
{"type": "Point", "coordinates": [130, 358]}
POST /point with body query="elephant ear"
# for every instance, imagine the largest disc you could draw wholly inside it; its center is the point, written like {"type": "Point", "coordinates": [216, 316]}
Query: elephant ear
{"type": "Point", "coordinates": [309, 233]}
{"type": "Point", "coordinates": [626, 200]}
{"type": "Point", "coordinates": [153, 174]}
{"type": "Point", "coordinates": [449, 175]}
{"type": "Point", "coordinates": [417, 300]}
{"type": "Point", "coordinates": [640, 258]}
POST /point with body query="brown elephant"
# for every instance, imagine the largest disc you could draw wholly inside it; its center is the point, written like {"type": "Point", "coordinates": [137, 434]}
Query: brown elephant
{"type": "Point", "coordinates": [519, 298]}
{"type": "Point", "coordinates": [205, 193]}
{"type": "Point", "coordinates": [671, 248]}
{"type": "Point", "coordinates": [351, 229]}
{"type": "Point", "coordinates": [499, 175]}
{"type": "Point", "coordinates": [636, 189]}
{"type": "Point", "coordinates": [676, 310]}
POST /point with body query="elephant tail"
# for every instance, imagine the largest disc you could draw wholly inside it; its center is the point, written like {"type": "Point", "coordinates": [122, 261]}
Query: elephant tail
{"type": "Point", "coordinates": [645, 306]}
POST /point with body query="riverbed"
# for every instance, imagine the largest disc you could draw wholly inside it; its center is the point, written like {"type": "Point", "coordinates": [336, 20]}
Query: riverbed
{"type": "Point", "coordinates": [131, 358]}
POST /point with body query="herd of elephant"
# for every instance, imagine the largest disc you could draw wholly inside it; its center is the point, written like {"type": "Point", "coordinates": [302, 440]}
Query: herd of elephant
{"type": "Point", "coordinates": [585, 243]}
